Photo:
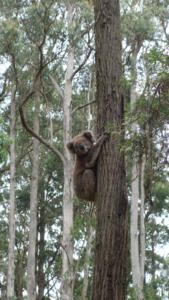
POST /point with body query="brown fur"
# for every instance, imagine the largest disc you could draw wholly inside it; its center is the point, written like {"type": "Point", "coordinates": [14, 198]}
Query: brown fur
{"type": "Point", "coordinates": [84, 175]}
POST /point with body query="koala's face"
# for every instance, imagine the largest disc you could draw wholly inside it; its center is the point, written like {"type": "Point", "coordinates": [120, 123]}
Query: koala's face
{"type": "Point", "coordinates": [81, 144]}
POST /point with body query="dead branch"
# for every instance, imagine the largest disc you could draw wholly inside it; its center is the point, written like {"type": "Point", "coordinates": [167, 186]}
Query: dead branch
{"type": "Point", "coordinates": [30, 130]}
{"type": "Point", "coordinates": [82, 64]}
{"type": "Point", "coordinates": [56, 86]}
{"type": "Point", "coordinates": [82, 106]}
{"type": "Point", "coordinates": [3, 170]}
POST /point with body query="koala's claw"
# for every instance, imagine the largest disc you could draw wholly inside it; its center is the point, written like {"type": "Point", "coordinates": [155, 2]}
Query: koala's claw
{"type": "Point", "coordinates": [106, 135]}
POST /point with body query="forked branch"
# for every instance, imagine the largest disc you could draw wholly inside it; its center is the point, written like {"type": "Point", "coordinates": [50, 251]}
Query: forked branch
{"type": "Point", "coordinates": [30, 130]}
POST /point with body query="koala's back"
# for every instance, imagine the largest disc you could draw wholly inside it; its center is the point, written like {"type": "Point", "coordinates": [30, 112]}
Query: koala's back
{"type": "Point", "coordinates": [84, 181]}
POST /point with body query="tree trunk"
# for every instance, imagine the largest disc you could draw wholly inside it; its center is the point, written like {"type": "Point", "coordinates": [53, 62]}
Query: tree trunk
{"type": "Point", "coordinates": [31, 280]}
{"type": "Point", "coordinates": [86, 262]}
{"type": "Point", "coordinates": [19, 275]}
{"type": "Point", "coordinates": [67, 243]}
{"type": "Point", "coordinates": [11, 246]}
{"type": "Point", "coordinates": [41, 247]}
{"type": "Point", "coordinates": [111, 230]}
{"type": "Point", "coordinates": [134, 228]}
{"type": "Point", "coordinates": [142, 225]}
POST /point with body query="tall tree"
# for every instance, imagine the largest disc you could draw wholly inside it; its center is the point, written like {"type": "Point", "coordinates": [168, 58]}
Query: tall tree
{"type": "Point", "coordinates": [67, 257]}
{"type": "Point", "coordinates": [67, 243]}
{"type": "Point", "coordinates": [11, 246]}
{"type": "Point", "coordinates": [136, 255]}
{"type": "Point", "coordinates": [111, 229]}
{"type": "Point", "coordinates": [31, 280]}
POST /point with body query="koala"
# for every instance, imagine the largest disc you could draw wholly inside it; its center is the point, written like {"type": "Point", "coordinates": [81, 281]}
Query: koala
{"type": "Point", "coordinates": [86, 152]}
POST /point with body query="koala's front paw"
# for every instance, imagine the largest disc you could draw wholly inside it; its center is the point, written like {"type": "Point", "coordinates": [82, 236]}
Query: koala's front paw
{"type": "Point", "coordinates": [106, 135]}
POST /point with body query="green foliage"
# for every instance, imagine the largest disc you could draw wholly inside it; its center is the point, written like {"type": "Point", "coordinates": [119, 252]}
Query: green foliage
{"type": "Point", "coordinates": [138, 26]}
{"type": "Point", "coordinates": [9, 34]}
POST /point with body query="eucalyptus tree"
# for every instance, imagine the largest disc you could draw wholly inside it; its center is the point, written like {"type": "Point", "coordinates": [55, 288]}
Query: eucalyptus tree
{"type": "Point", "coordinates": [31, 281]}
{"type": "Point", "coordinates": [111, 229]}
{"type": "Point", "coordinates": [11, 258]}
{"type": "Point", "coordinates": [137, 32]}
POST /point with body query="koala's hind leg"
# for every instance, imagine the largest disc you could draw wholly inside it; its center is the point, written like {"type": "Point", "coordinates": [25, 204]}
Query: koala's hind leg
{"type": "Point", "coordinates": [89, 184]}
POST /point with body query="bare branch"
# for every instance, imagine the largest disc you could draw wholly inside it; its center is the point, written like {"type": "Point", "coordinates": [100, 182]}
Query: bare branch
{"type": "Point", "coordinates": [87, 30]}
{"type": "Point", "coordinates": [82, 64]}
{"type": "Point", "coordinates": [56, 86]}
{"type": "Point", "coordinates": [30, 130]}
{"type": "Point", "coordinates": [6, 168]}
{"type": "Point", "coordinates": [82, 106]}
{"type": "Point", "coordinates": [165, 29]}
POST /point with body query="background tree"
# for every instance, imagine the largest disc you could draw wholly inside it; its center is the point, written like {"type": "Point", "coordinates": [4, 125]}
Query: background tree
{"type": "Point", "coordinates": [31, 279]}
{"type": "Point", "coordinates": [11, 255]}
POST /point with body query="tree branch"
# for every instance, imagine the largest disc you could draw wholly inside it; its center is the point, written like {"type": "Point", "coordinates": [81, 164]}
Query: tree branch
{"type": "Point", "coordinates": [82, 64]}
{"type": "Point", "coordinates": [3, 170]}
{"type": "Point", "coordinates": [82, 106]}
{"type": "Point", "coordinates": [30, 130]}
{"type": "Point", "coordinates": [56, 86]}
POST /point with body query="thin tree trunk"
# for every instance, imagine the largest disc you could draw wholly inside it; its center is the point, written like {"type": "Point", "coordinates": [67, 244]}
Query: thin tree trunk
{"type": "Point", "coordinates": [142, 225]}
{"type": "Point", "coordinates": [19, 275]}
{"type": "Point", "coordinates": [88, 101]}
{"type": "Point", "coordinates": [153, 267]}
{"type": "Point", "coordinates": [41, 259]}
{"type": "Point", "coordinates": [31, 280]}
{"type": "Point", "coordinates": [134, 228]}
{"type": "Point", "coordinates": [11, 246]}
{"type": "Point", "coordinates": [67, 243]}
{"type": "Point", "coordinates": [111, 229]}
{"type": "Point", "coordinates": [135, 263]}
{"type": "Point", "coordinates": [86, 262]}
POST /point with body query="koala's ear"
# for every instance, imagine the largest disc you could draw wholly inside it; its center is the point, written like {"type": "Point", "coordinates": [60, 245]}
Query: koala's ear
{"type": "Point", "coordinates": [89, 136]}
{"type": "Point", "coordinates": [70, 147]}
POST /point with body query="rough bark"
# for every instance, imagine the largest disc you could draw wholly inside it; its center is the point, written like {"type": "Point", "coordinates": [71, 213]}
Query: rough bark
{"type": "Point", "coordinates": [111, 230]}
{"type": "Point", "coordinates": [67, 243]}
{"type": "Point", "coordinates": [19, 275]}
{"type": "Point", "coordinates": [11, 246]}
{"type": "Point", "coordinates": [31, 280]}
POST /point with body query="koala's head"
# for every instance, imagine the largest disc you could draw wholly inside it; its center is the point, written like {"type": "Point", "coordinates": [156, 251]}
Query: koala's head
{"type": "Point", "coordinates": [81, 144]}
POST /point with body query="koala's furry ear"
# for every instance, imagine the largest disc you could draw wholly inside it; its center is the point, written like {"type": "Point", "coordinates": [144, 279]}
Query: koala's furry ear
{"type": "Point", "coordinates": [70, 147]}
{"type": "Point", "coordinates": [89, 136]}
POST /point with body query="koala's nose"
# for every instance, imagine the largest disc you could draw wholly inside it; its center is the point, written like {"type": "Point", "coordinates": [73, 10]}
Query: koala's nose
{"type": "Point", "coordinates": [81, 146]}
